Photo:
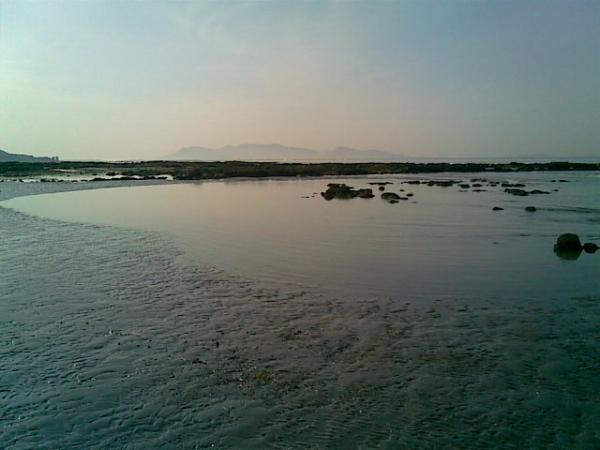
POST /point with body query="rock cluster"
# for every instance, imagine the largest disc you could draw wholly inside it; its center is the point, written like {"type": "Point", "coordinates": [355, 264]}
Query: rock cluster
{"type": "Point", "coordinates": [523, 192]}
{"type": "Point", "coordinates": [568, 246]}
{"type": "Point", "coordinates": [343, 191]}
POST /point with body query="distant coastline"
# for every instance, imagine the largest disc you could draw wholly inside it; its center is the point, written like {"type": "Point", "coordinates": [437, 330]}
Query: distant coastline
{"type": "Point", "coordinates": [195, 170]}
{"type": "Point", "coordinates": [18, 157]}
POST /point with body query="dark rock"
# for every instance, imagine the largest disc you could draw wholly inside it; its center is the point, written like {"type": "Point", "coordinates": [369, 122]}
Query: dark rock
{"type": "Point", "coordinates": [567, 242]}
{"type": "Point", "coordinates": [477, 185]}
{"type": "Point", "coordinates": [410, 194]}
{"type": "Point", "coordinates": [515, 191]}
{"type": "Point", "coordinates": [365, 193]}
{"type": "Point", "coordinates": [390, 197]}
{"type": "Point", "coordinates": [382, 188]}
{"type": "Point", "coordinates": [465, 185]}
{"type": "Point", "coordinates": [344, 192]}
{"type": "Point", "coordinates": [590, 247]}
{"type": "Point", "coordinates": [497, 208]}
{"type": "Point", "coordinates": [442, 183]}
{"type": "Point", "coordinates": [380, 183]}
{"type": "Point", "coordinates": [340, 191]}
{"type": "Point", "coordinates": [537, 191]}
{"type": "Point", "coordinates": [530, 209]}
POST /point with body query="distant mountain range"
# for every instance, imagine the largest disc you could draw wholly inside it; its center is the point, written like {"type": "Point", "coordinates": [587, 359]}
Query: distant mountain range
{"type": "Point", "coordinates": [14, 157]}
{"type": "Point", "coordinates": [278, 152]}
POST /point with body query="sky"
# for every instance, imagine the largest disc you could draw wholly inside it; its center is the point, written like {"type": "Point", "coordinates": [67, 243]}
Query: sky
{"type": "Point", "coordinates": [123, 79]}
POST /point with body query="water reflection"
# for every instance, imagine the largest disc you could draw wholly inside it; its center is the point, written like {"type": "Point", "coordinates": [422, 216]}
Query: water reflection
{"type": "Point", "coordinates": [444, 243]}
{"type": "Point", "coordinates": [569, 255]}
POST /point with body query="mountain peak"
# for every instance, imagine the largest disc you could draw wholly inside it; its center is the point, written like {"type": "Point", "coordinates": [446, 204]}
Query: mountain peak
{"type": "Point", "coordinates": [16, 157]}
{"type": "Point", "coordinates": [280, 152]}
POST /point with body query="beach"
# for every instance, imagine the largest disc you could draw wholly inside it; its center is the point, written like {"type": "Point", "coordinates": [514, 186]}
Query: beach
{"type": "Point", "coordinates": [113, 336]}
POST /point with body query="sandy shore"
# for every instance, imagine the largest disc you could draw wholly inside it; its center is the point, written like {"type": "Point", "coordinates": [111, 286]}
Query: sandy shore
{"type": "Point", "coordinates": [11, 189]}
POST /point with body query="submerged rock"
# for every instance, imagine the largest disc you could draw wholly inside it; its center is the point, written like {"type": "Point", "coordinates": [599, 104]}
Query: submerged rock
{"type": "Point", "coordinates": [443, 183]}
{"type": "Point", "coordinates": [537, 191]}
{"type": "Point", "coordinates": [590, 247]}
{"type": "Point", "coordinates": [530, 209]}
{"type": "Point", "coordinates": [365, 193]}
{"type": "Point", "coordinates": [390, 197]}
{"type": "Point", "coordinates": [382, 188]}
{"type": "Point", "coordinates": [515, 191]}
{"type": "Point", "coordinates": [497, 208]}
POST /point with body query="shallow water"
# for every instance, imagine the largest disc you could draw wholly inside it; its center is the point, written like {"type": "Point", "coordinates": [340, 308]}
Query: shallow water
{"type": "Point", "coordinates": [440, 243]}
{"type": "Point", "coordinates": [122, 338]}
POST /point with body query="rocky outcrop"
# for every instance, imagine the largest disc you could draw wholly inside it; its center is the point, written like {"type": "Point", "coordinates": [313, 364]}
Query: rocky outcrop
{"type": "Point", "coordinates": [345, 192]}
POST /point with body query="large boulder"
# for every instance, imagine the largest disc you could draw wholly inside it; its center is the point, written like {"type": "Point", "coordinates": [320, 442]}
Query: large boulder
{"type": "Point", "coordinates": [567, 242]}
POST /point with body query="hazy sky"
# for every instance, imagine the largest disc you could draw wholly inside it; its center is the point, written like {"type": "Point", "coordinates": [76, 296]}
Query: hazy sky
{"type": "Point", "coordinates": [116, 80]}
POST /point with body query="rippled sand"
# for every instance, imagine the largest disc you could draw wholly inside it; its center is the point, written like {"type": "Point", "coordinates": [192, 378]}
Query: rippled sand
{"type": "Point", "coordinates": [108, 339]}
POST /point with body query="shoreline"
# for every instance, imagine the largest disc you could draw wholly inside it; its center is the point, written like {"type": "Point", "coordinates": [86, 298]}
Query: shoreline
{"type": "Point", "coordinates": [10, 189]}
{"type": "Point", "coordinates": [196, 171]}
